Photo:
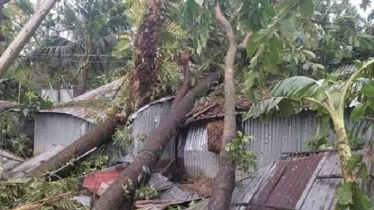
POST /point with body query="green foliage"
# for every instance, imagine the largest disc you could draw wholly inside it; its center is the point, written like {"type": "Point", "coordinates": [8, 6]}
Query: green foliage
{"type": "Point", "coordinates": [92, 27]}
{"type": "Point", "coordinates": [170, 78]}
{"type": "Point", "coordinates": [17, 145]}
{"type": "Point", "coordinates": [93, 163]}
{"type": "Point", "coordinates": [11, 137]}
{"type": "Point", "coordinates": [350, 197]}
{"type": "Point", "coordinates": [122, 138]}
{"type": "Point", "coordinates": [32, 102]}
{"type": "Point", "coordinates": [18, 192]}
{"type": "Point", "coordinates": [9, 90]}
{"type": "Point", "coordinates": [244, 159]}
{"type": "Point", "coordinates": [146, 192]}
{"type": "Point", "coordinates": [344, 194]}
{"type": "Point", "coordinates": [319, 140]}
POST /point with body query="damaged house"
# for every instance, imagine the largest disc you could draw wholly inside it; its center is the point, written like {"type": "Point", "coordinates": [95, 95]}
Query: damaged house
{"type": "Point", "coordinates": [64, 124]}
{"type": "Point", "coordinates": [280, 143]}
{"type": "Point", "coordinates": [196, 147]}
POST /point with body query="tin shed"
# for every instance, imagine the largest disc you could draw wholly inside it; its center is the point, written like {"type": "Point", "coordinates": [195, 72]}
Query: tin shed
{"type": "Point", "coordinates": [272, 137]}
{"type": "Point", "coordinates": [64, 125]}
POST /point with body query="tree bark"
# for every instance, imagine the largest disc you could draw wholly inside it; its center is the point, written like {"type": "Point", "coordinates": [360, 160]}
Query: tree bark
{"type": "Point", "coordinates": [183, 59]}
{"type": "Point", "coordinates": [95, 138]}
{"type": "Point", "coordinates": [344, 150]}
{"type": "Point", "coordinates": [83, 76]}
{"type": "Point", "coordinates": [24, 36]}
{"type": "Point", "coordinates": [147, 68]}
{"type": "Point", "coordinates": [225, 179]}
{"type": "Point", "coordinates": [113, 198]}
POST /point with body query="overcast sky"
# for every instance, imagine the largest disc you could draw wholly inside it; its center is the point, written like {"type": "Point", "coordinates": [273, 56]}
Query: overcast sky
{"type": "Point", "coordinates": [355, 2]}
{"type": "Point", "coordinates": [363, 13]}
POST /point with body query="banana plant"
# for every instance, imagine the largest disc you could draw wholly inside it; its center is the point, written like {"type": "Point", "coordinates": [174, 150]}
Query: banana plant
{"type": "Point", "coordinates": [288, 95]}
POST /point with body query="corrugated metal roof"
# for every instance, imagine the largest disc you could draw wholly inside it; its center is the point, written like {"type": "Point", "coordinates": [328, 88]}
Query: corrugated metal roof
{"type": "Point", "coordinates": [107, 90]}
{"type": "Point", "coordinates": [285, 184]}
{"type": "Point", "coordinates": [88, 114]}
{"type": "Point", "coordinates": [214, 107]}
{"type": "Point", "coordinates": [344, 69]}
{"type": "Point", "coordinates": [306, 181]}
{"type": "Point", "coordinates": [92, 115]}
{"type": "Point", "coordinates": [246, 189]}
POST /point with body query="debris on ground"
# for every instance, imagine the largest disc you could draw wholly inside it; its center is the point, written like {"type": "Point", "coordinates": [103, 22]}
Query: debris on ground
{"type": "Point", "coordinates": [22, 169]}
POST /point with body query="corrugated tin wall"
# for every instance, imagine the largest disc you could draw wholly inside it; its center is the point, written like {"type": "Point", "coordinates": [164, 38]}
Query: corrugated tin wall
{"type": "Point", "coordinates": [54, 129]}
{"type": "Point", "coordinates": [277, 135]}
{"type": "Point", "coordinates": [198, 161]}
{"type": "Point", "coordinates": [145, 122]}
{"type": "Point", "coordinates": [272, 138]}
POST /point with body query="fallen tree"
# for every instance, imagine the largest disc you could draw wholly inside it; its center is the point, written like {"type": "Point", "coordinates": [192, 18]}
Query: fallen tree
{"type": "Point", "coordinates": [113, 198]}
{"type": "Point", "coordinates": [96, 137]}
{"type": "Point", "coordinates": [143, 80]}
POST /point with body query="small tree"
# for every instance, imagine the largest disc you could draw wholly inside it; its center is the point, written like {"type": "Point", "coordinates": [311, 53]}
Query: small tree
{"type": "Point", "coordinates": [288, 95]}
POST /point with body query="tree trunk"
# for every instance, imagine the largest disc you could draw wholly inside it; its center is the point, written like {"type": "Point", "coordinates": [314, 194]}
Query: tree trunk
{"type": "Point", "coordinates": [344, 149]}
{"type": "Point", "coordinates": [113, 198]}
{"type": "Point", "coordinates": [147, 68]}
{"type": "Point", "coordinates": [24, 36]}
{"type": "Point", "coordinates": [225, 179]}
{"type": "Point", "coordinates": [183, 59]}
{"type": "Point", "coordinates": [83, 76]}
{"type": "Point", "coordinates": [94, 138]}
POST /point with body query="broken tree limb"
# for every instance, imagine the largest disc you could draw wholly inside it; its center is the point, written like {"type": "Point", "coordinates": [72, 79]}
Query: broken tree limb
{"type": "Point", "coordinates": [96, 137]}
{"type": "Point", "coordinates": [5, 105]}
{"type": "Point", "coordinates": [10, 156]}
{"type": "Point", "coordinates": [113, 198]}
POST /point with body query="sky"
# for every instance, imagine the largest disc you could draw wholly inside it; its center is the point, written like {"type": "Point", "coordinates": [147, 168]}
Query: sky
{"type": "Point", "coordinates": [355, 2]}
{"type": "Point", "coordinates": [363, 13]}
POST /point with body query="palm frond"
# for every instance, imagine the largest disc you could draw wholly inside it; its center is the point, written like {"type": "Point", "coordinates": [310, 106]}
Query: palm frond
{"type": "Point", "coordinates": [297, 87]}
{"type": "Point", "coordinates": [282, 106]}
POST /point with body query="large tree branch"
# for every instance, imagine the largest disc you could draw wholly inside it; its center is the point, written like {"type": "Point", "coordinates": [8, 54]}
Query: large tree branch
{"type": "Point", "coordinates": [113, 198]}
{"type": "Point", "coordinates": [94, 138]}
{"type": "Point", "coordinates": [183, 60]}
{"type": "Point", "coordinates": [225, 179]}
